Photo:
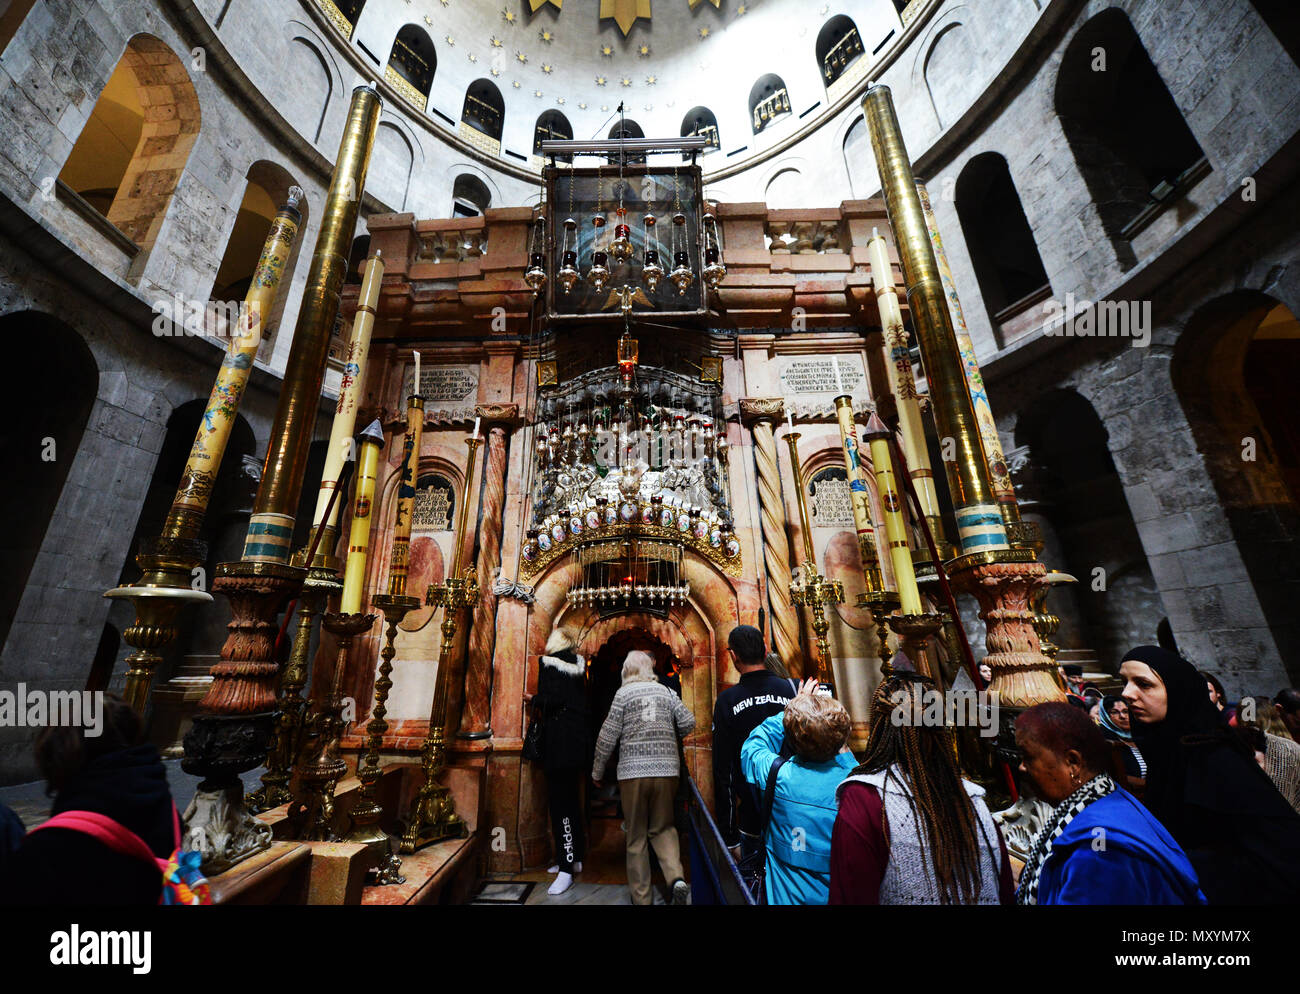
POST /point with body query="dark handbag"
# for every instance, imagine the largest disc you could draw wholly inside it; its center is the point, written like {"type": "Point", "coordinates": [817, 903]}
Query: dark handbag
{"type": "Point", "coordinates": [534, 749]}
{"type": "Point", "coordinates": [753, 868]}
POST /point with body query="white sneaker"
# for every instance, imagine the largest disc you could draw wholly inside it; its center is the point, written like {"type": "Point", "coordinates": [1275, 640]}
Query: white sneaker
{"type": "Point", "coordinates": [553, 869]}
{"type": "Point", "coordinates": [562, 883]}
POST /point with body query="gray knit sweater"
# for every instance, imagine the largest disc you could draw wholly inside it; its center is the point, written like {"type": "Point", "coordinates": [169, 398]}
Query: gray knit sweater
{"type": "Point", "coordinates": [645, 721]}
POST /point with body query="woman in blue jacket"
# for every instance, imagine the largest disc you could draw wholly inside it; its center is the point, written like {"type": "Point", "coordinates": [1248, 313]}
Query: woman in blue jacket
{"type": "Point", "coordinates": [813, 732]}
{"type": "Point", "coordinates": [1100, 845]}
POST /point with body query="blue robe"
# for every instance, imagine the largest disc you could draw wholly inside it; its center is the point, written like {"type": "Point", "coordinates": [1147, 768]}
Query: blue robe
{"type": "Point", "coordinates": [1115, 852]}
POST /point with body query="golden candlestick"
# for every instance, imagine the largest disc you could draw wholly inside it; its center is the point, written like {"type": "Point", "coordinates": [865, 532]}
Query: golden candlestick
{"type": "Point", "coordinates": [979, 521]}
{"type": "Point", "coordinates": [366, 811]}
{"type": "Point", "coordinates": [312, 817]}
{"type": "Point", "coordinates": [915, 631]}
{"type": "Point", "coordinates": [812, 590]}
{"type": "Point", "coordinates": [432, 816]}
{"type": "Point", "coordinates": [891, 504]}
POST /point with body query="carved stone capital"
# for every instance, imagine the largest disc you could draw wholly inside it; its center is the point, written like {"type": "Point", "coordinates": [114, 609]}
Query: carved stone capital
{"type": "Point", "coordinates": [505, 415]}
{"type": "Point", "coordinates": [755, 409]}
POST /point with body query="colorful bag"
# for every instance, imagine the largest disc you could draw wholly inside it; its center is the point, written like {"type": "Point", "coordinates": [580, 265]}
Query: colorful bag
{"type": "Point", "coordinates": [182, 883]}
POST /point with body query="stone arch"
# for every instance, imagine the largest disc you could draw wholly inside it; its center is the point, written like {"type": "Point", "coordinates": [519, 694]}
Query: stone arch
{"type": "Point", "coordinates": [313, 71]}
{"type": "Point", "coordinates": [1227, 371]}
{"type": "Point", "coordinates": [470, 196]}
{"type": "Point", "coordinates": [552, 126]}
{"type": "Point", "coordinates": [839, 45]}
{"type": "Point", "coordinates": [948, 69]}
{"type": "Point", "coordinates": [133, 175]}
{"type": "Point", "coordinates": [1001, 242]}
{"type": "Point", "coordinates": [391, 167]}
{"type": "Point", "coordinates": [414, 59]}
{"type": "Point", "coordinates": [768, 100]}
{"type": "Point", "coordinates": [1130, 141]}
{"type": "Point", "coordinates": [39, 443]}
{"type": "Point", "coordinates": [859, 159]}
{"type": "Point", "coordinates": [785, 189]}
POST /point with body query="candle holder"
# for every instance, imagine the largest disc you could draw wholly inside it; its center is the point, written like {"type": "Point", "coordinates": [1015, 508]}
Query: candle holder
{"type": "Point", "coordinates": [1045, 622]}
{"type": "Point", "coordinates": [366, 812]}
{"type": "Point", "coordinates": [916, 630]}
{"type": "Point", "coordinates": [321, 584]}
{"type": "Point", "coordinates": [432, 816]}
{"type": "Point", "coordinates": [881, 604]}
{"type": "Point", "coordinates": [813, 590]}
{"type": "Point", "coordinates": [311, 816]}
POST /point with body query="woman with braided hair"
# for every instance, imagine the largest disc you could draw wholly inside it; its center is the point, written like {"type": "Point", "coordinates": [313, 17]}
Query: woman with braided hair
{"type": "Point", "coordinates": [910, 829]}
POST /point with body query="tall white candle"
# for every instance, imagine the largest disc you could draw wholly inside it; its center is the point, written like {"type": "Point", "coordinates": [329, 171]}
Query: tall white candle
{"type": "Point", "coordinates": [476, 421]}
{"type": "Point", "coordinates": [839, 383]}
{"type": "Point", "coordinates": [415, 387]}
{"type": "Point", "coordinates": [789, 417]}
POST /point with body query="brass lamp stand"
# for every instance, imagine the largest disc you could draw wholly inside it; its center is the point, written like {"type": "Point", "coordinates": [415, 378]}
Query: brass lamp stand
{"type": "Point", "coordinates": [812, 590]}
{"type": "Point", "coordinates": [319, 776]}
{"type": "Point", "coordinates": [432, 816]}
{"type": "Point", "coordinates": [366, 812]}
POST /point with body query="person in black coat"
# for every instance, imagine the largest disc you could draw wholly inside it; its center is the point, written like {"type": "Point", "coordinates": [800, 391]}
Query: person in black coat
{"type": "Point", "coordinates": [1204, 785]}
{"type": "Point", "coordinates": [114, 774]}
{"type": "Point", "coordinates": [561, 700]}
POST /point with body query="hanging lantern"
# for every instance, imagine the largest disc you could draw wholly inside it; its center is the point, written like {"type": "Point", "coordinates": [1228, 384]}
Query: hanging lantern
{"type": "Point", "coordinates": [714, 271]}
{"type": "Point", "coordinates": [682, 275]}
{"type": "Point", "coordinates": [568, 274]}
{"type": "Point", "coordinates": [535, 275]}
{"type": "Point", "coordinates": [621, 247]}
{"type": "Point", "coordinates": [598, 274]}
{"type": "Point", "coordinates": [651, 271]}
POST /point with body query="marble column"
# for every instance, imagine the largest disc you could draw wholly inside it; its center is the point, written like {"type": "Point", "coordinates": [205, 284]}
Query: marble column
{"type": "Point", "coordinates": [761, 414]}
{"type": "Point", "coordinates": [476, 714]}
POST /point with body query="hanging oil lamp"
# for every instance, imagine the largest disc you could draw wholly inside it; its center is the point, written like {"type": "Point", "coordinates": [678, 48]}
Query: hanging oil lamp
{"type": "Point", "coordinates": [651, 270]}
{"type": "Point", "coordinates": [621, 247]}
{"type": "Point", "coordinates": [535, 275]}
{"type": "Point", "coordinates": [682, 276]}
{"type": "Point", "coordinates": [714, 271]}
{"type": "Point", "coordinates": [598, 274]}
{"type": "Point", "coordinates": [568, 274]}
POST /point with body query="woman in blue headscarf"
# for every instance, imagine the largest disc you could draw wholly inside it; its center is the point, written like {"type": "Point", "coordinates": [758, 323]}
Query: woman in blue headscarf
{"type": "Point", "coordinates": [1113, 720]}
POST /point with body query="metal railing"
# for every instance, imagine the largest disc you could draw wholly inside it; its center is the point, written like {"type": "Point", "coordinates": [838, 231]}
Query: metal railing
{"type": "Point", "coordinates": [715, 877]}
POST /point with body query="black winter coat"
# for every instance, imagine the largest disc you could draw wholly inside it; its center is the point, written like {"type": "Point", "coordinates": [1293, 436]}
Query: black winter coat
{"type": "Point", "coordinates": [66, 867]}
{"type": "Point", "coordinates": [562, 698]}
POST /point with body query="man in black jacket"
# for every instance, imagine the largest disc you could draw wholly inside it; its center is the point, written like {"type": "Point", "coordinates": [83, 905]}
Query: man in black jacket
{"type": "Point", "coordinates": [739, 710]}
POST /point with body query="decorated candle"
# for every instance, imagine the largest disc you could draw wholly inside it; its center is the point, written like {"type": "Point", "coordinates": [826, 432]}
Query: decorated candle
{"type": "Point", "coordinates": [369, 442]}
{"type": "Point", "coordinates": [400, 559]}
{"type": "Point", "coordinates": [858, 494]}
{"type": "Point", "coordinates": [892, 509]}
{"type": "Point", "coordinates": [345, 414]}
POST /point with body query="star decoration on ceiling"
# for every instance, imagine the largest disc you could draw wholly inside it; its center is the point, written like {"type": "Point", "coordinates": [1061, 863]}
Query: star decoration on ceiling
{"type": "Point", "coordinates": [496, 42]}
{"type": "Point", "coordinates": [704, 33]}
{"type": "Point", "coordinates": [607, 51]}
{"type": "Point", "coordinates": [428, 20]}
{"type": "Point", "coordinates": [651, 80]}
{"type": "Point", "coordinates": [472, 57]}
{"type": "Point", "coordinates": [521, 58]}
{"type": "Point", "coordinates": [445, 2]}
{"type": "Point", "coordinates": [625, 81]}
{"type": "Point", "coordinates": [537, 93]}
{"type": "Point", "coordinates": [508, 15]}
{"type": "Point", "coordinates": [495, 71]}
{"type": "Point", "coordinates": [601, 81]}
{"type": "Point", "coordinates": [826, 9]}
{"type": "Point", "coordinates": [547, 35]}
{"type": "Point", "coordinates": [582, 105]}
{"type": "Point", "coordinates": [516, 84]}
{"type": "Point", "coordinates": [649, 106]}
{"type": "Point", "coordinates": [451, 41]}
{"type": "Point", "coordinates": [547, 68]}
{"type": "Point", "coordinates": [604, 107]}
{"type": "Point", "coordinates": [560, 101]}
{"type": "Point", "coordinates": [643, 50]}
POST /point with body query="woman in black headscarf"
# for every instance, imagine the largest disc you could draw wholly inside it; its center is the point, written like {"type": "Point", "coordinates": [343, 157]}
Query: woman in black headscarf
{"type": "Point", "coordinates": [1237, 830]}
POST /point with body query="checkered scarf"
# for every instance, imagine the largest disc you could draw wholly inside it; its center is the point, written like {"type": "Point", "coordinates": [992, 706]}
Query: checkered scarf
{"type": "Point", "coordinates": [1098, 787]}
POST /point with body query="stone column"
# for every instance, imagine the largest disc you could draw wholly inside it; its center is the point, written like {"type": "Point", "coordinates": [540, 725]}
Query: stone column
{"type": "Point", "coordinates": [476, 714]}
{"type": "Point", "coordinates": [761, 415]}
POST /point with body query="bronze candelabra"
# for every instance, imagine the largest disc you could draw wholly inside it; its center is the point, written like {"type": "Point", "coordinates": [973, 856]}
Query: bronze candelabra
{"type": "Point", "coordinates": [312, 816]}
{"type": "Point", "coordinates": [366, 812]}
{"type": "Point", "coordinates": [812, 590]}
{"type": "Point", "coordinates": [433, 816]}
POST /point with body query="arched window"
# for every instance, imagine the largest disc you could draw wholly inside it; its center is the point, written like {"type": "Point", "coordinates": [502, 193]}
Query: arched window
{"type": "Point", "coordinates": [768, 100]}
{"type": "Point", "coordinates": [40, 441]}
{"type": "Point", "coordinates": [266, 191]}
{"type": "Point", "coordinates": [552, 126]}
{"type": "Point", "coordinates": [623, 130]}
{"type": "Point", "coordinates": [470, 196]}
{"type": "Point", "coordinates": [1000, 241]}
{"type": "Point", "coordinates": [838, 47]}
{"type": "Point", "coordinates": [1128, 137]}
{"type": "Point", "coordinates": [700, 121]}
{"type": "Point", "coordinates": [130, 154]}
{"type": "Point", "coordinates": [411, 65]}
{"type": "Point", "coordinates": [483, 116]}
